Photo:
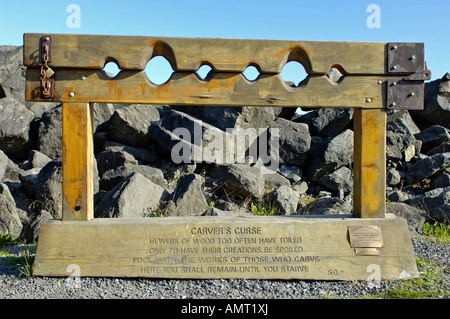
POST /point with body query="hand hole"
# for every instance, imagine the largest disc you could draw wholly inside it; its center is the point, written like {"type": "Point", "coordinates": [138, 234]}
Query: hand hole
{"type": "Point", "coordinates": [251, 73]}
{"type": "Point", "coordinates": [158, 70]}
{"type": "Point", "coordinates": [293, 73]}
{"type": "Point", "coordinates": [205, 72]}
{"type": "Point", "coordinates": [111, 69]}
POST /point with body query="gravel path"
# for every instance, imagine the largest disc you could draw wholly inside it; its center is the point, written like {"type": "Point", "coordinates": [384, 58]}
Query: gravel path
{"type": "Point", "coordinates": [12, 285]}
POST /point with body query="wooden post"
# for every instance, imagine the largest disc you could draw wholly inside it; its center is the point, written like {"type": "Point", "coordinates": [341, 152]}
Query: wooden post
{"type": "Point", "coordinates": [369, 185]}
{"type": "Point", "coordinates": [77, 162]}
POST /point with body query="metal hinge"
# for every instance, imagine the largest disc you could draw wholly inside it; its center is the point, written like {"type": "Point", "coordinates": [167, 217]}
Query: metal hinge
{"type": "Point", "coordinates": [406, 59]}
{"type": "Point", "coordinates": [46, 78]}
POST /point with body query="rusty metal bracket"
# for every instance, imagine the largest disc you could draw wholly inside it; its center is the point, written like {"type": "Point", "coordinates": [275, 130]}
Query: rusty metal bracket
{"type": "Point", "coordinates": [47, 80]}
{"type": "Point", "coordinates": [406, 59]}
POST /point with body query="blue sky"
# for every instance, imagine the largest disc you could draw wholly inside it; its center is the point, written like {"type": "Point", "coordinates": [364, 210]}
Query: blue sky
{"type": "Point", "coordinates": [339, 20]}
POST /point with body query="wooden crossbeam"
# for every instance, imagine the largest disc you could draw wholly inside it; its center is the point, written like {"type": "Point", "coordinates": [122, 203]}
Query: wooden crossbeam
{"type": "Point", "coordinates": [224, 89]}
{"type": "Point", "coordinates": [224, 55]}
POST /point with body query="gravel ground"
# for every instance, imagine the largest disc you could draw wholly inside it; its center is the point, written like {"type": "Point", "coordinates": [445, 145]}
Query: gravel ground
{"type": "Point", "coordinates": [13, 285]}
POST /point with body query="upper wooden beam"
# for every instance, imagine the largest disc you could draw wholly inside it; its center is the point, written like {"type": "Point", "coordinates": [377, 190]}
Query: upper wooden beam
{"type": "Point", "coordinates": [224, 55]}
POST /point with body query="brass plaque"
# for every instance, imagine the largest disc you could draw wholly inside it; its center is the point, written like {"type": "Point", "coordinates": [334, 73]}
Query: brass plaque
{"type": "Point", "coordinates": [365, 236]}
{"type": "Point", "coordinates": [367, 252]}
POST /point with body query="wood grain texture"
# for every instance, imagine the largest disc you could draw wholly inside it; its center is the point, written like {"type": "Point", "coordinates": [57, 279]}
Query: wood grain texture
{"type": "Point", "coordinates": [369, 186]}
{"type": "Point", "coordinates": [77, 162]}
{"type": "Point", "coordinates": [224, 89]}
{"type": "Point", "coordinates": [225, 55]}
{"type": "Point", "coordinates": [189, 247]}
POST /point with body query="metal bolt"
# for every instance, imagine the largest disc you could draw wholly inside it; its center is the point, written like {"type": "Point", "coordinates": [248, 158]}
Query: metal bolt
{"type": "Point", "coordinates": [83, 77]}
{"type": "Point", "coordinates": [394, 67]}
{"type": "Point", "coordinates": [394, 47]}
{"type": "Point", "coordinates": [71, 94]}
{"type": "Point", "coordinates": [368, 100]}
{"type": "Point", "coordinates": [379, 82]}
{"type": "Point", "coordinates": [412, 94]}
{"type": "Point", "coordinates": [394, 83]}
{"type": "Point", "coordinates": [47, 38]}
{"type": "Point", "coordinates": [393, 104]}
{"type": "Point", "coordinates": [412, 58]}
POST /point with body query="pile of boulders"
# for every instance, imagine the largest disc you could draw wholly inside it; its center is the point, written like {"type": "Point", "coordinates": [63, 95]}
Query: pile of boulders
{"type": "Point", "coordinates": [158, 160]}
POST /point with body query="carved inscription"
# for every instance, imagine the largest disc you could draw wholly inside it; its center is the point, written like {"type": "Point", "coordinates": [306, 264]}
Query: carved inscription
{"type": "Point", "coordinates": [226, 249]}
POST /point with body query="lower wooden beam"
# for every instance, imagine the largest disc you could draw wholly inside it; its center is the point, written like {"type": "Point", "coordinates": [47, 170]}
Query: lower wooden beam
{"type": "Point", "coordinates": [260, 247]}
{"type": "Point", "coordinates": [223, 89]}
{"type": "Point", "coordinates": [369, 185]}
{"type": "Point", "coordinates": [77, 162]}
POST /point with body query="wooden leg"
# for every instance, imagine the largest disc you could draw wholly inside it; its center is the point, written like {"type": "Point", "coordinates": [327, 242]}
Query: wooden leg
{"type": "Point", "coordinates": [77, 162]}
{"type": "Point", "coordinates": [369, 186]}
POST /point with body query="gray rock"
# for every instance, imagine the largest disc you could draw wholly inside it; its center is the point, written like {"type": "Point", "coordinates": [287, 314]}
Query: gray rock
{"type": "Point", "coordinates": [114, 176]}
{"type": "Point", "coordinates": [214, 211]}
{"type": "Point", "coordinates": [218, 116]}
{"type": "Point", "coordinates": [426, 167]}
{"type": "Point", "coordinates": [38, 159]}
{"type": "Point", "coordinates": [145, 155]}
{"type": "Point", "coordinates": [441, 213]}
{"type": "Point", "coordinates": [226, 118]}
{"type": "Point", "coordinates": [326, 206]}
{"type": "Point", "coordinates": [436, 102]}
{"type": "Point", "coordinates": [35, 225]}
{"type": "Point", "coordinates": [134, 197]}
{"type": "Point", "coordinates": [441, 179]}
{"type": "Point", "coordinates": [284, 199]}
{"type": "Point", "coordinates": [102, 115]}
{"type": "Point", "coordinates": [442, 148]}
{"type": "Point", "coordinates": [242, 180]}
{"type": "Point", "coordinates": [130, 124]}
{"type": "Point", "coordinates": [339, 182]}
{"type": "Point", "coordinates": [400, 121]}
{"type": "Point", "coordinates": [186, 139]}
{"type": "Point", "coordinates": [30, 181]}
{"type": "Point", "coordinates": [327, 122]}
{"type": "Point", "coordinates": [112, 159]}
{"type": "Point", "coordinates": [329, 154]}
{"type": "Point", "coordinates": [431, 199]}
{"type": "Point", "coordinates": [291, 172]}
{"type": "Point", "coordinates": [397, 196]}
{"type": "Point", "coordinates": [432, 137]}
{"type": "Point", "coordinates": [294, 141]}
{"type": "Point", "coordinates": [4, 161]}
{"type": "Point", "coordinates": [188, 195]}
{"type": "Point", "coordinates": [176, 171]}
{"type": "Point", "coordinates": [401, 146]}
{"type": "Point", "coordinates": [415, 217]}
{"type": "Point", "coordinates": [10, 222]}
{"type": "Point", "coordinates": [393, 177]}
{"type": "Point", "coordinates": [15, 121]}
{"type": "Point", "coordinates": [4, 190]}
{"type": "Point", "coordinates": [301, 187]}
{"type": "Point", "coordinates": [273, 181]}
{"type": "Point", "coordinates": [49, 191]}
{"type": "Point", "coordinates": [49, 141]}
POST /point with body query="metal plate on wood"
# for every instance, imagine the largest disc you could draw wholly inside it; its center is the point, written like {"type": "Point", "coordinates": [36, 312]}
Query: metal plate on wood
{"type": "Point", "coordinates": [403, 94]}
{"type": "Point", "coordinates": [405, 57]}
{"type": "Point", "coordinates": [365, 236]}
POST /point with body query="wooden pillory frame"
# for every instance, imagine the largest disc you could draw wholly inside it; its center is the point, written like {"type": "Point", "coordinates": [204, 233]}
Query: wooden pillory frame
{"type": "Point", "coordinates": [68, 69]}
